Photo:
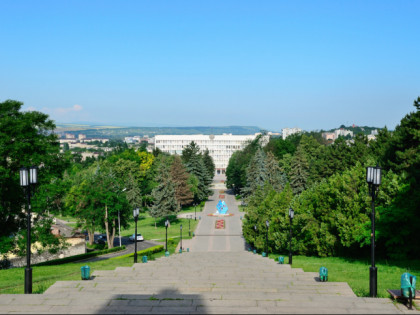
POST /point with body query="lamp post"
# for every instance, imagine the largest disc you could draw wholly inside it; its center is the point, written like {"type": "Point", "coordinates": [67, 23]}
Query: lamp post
{"type": "Point", "coordinates": [255, 236]}
{"type": "Point", "coordinates": [291, 215]}
{"type": "Point", "coordinates": [136, 217]}
{"type": "Point", "coordinates": [189, 225]}
{"type": "Point", "coordinates": [195, 211]}
{"type": "Point", "coordinates": [373, 178]}
{"type": "Point", "coordinates": [180, 231]}
{"type": "Point", "coordinates": [267, 224]}
{"type": "Point", "coordinates": [28, 177]}
{"type": "Point", "coordinates": [166, 242]}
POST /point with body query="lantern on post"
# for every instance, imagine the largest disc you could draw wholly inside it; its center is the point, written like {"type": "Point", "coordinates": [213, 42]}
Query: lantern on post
{"type": "Point", "coordinates": [373, 178]}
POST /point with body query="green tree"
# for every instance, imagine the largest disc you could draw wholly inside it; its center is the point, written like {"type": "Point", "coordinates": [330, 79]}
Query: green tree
{"type": "Point", "coordinates": [190, 151]}
{"type": "Point", "coordinates": [196, 167]}
{"type": "Point", "coordinates": [208, 162]}
{"type": "Point", "coordinates": [276, 178]}
{"type": "Point", "coordinates": [26, 138]}
{"type": "Point", "coordinates": [164, 195]}
{"type": "Point", "coordinates": [179, 176]}
{"type": "Point", "coordinates": [299, 171]}
{"type": "Point", "coordinates": [236, 171]}
{"type": "Point", "coordinates": [256, 173]}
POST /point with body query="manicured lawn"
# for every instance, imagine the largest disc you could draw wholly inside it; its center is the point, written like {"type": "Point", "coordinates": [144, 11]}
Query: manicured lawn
{"type": "Point", "coordinates": [146, 227]}
{"type": "Point", "coordinates": [356, 272]}
{"type": "Point", "coordinates": [12, 280]}
{"type": "Point", "coordinates": [191, 208]}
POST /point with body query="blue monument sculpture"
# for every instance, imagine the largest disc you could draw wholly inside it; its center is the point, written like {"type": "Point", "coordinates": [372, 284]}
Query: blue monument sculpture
{"type": "Point", "coordinates": [222, 208]}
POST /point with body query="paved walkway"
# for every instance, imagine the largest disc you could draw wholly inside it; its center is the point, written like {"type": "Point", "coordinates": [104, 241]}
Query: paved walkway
{"type": "Point", "coordinates": [207, 237]}
{"type": "Point", "coordinates": [216, 276]}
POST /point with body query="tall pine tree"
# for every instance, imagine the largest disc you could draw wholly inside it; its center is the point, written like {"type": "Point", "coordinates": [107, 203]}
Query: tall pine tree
{"type": "Point", "coordinates": [256, 173]}
{"type": "Point", "coordinates": [180, 178]}
{"type": "Point", "coordinates": [299, 171]}
{"type": "Point", "coordinates": [164, 197]}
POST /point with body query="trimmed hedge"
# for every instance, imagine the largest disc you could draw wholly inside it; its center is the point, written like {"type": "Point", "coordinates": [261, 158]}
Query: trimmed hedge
{"type": "Point", "coordinates": [145, 252]}
{"type": "Point", "coordinates": [80, 257]}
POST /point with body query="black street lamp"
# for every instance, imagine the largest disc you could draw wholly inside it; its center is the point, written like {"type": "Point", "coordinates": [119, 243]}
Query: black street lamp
{"type": "Point", "coordinates": [373, 178]}
{"type": "Point", "coordinates": [195, 211]}
{"type": "Point", "coordinates": [166, 227]}
{"type": "Point", "coordinates": [136, 217]}
{"type": "Point", "coordinates": [291, 215]}
{"type": "Point", "coordinates": [189, 225]}
{"type": "Point", "coordinates": [267, 224]}
{"type": "Point", "coordinates": [180, 231]}
{"type": "Point", "coordinates": [28, 178]}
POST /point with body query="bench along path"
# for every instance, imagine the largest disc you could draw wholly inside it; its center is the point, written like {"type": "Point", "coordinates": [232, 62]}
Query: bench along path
{"type": "Point", "coordinates": [208, 279]}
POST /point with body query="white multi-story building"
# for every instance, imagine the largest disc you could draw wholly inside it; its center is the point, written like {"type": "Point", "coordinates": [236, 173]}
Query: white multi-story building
{"type": "Point", "coordinates": [221, 147]}
{"type": "Point", "coordinates": [342, 132]}
{"type": "Point", "coordinates": [289, 131]}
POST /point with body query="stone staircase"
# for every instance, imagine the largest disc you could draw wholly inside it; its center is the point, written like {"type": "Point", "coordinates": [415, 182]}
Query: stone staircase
{"type": "Point", "coordinates": [211, 282]}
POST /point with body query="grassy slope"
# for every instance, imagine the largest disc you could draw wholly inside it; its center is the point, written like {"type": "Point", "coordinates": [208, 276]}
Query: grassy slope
{"type": "Point", "coordinates": [356, 272]}
{"type": "Point", "coordinates": [12, 280]}
{"type": "Point", "coordinates": [146, 226]}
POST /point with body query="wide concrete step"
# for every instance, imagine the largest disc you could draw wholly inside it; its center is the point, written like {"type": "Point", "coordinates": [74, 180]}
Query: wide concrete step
{"type": "Point", "coordinates": [201, 283]}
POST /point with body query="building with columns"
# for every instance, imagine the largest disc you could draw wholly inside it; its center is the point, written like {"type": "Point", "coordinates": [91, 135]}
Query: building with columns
{"type": "Point", "coordinates": [221, 147]}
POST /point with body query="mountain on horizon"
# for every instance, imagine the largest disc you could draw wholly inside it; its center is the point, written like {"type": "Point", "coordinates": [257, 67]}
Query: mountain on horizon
{"type": "Point", "coordinates": [114, 132]}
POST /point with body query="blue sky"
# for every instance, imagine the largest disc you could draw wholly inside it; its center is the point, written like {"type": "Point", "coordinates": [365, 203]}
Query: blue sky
{"type": "Point", "coordinates": [272, 64]}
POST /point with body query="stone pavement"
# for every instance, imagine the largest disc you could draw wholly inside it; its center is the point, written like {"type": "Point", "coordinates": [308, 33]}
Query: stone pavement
{"type": "Point", "coordinates": [216, 276]}
{"type": "Point", "coordinates": [209, 239]}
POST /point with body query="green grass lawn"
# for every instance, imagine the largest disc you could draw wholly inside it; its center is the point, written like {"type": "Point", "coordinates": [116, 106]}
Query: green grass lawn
{"type": "Point", "coordinates": [146, 227]}
{"type": "Point", "coordinates": [12, 280]}
{"type": "Point", "coordinates": [65, 218]}
{"type": "Point", "coordinates": [356, 272]}
{"type": "Point", "coordinates": [187, 209]}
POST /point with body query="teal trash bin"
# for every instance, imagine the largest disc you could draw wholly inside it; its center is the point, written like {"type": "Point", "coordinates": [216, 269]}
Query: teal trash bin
{"type": "Point", "coordinates": [323, 274]}
{"type": "Point", "coordinates": [180, 250]}
{"type": "Point", "coordinates": [85, 272]}
{"type": "Point", "coordinates": [166, 254]}
{"type": "Point", "coordinates": [254, 251]}
{"type": "Point", "coordinates": [264, 254]}
{"type": "Point", "coordinates": [188, 250]}
{"type": "Point", "coordinates": [408, 282]}
{"type": "Point", "coordinates": [281, 260]}
{"type": "Point", "coordinates": [144, 259]}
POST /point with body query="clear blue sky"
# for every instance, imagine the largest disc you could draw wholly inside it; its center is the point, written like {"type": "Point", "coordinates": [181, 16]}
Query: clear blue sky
{"type": "Point", "coordinates": [272, 64]}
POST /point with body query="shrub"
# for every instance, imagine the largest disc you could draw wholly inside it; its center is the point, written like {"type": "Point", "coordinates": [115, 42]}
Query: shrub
{"type": "Point", "coordinates": [80, 257]}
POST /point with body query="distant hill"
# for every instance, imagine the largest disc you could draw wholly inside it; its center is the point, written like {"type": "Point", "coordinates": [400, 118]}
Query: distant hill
{"type": "Point", "coordinates": [121, 132]}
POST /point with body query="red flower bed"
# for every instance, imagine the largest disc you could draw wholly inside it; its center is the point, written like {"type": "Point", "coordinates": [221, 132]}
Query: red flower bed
{"type": "Point", "coordinates": [220, 224]}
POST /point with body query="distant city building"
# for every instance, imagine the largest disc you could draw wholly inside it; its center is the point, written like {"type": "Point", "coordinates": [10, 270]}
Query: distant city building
{"type": "Point", "coordinates": [69, 136]}
{"type": "Point", "coordinates": [342, 132]}
{"type": "Point", "coordinates": [373, 134]}
{"type": "Point", "coordinates": [328, 135]}
{"type": "Point", "coordinates": [82, 136]}
{"type": "Point", "coordinates": [289, 131]}
{"type": "Point", "coordinates": [129, 139]}
{"type": "Point", "coordinates": [221, 147]}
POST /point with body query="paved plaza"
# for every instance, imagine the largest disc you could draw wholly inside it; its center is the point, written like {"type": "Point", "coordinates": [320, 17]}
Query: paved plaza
{"type": "Point", "coordinates": [217, 275]}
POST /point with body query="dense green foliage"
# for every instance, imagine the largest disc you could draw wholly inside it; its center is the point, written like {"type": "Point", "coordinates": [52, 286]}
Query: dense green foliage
{"type": "Point", "coordinates": [26, 139]}
{"type": "Point", "coordinates": [327, 189]}
{"type": "Point", "coordinates": [99, 193]}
